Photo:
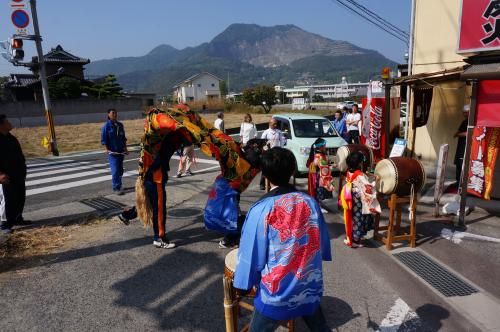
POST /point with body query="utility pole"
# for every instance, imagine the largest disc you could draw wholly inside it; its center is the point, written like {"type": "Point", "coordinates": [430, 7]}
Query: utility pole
{"type": "Point", "coordinates": [43, 80]}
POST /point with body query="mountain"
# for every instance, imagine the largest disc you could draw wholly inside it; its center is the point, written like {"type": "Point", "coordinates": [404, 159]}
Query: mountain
{"type": "Point", "coordinates": [274, 46]}
{"type": "Point", "coordinates": [160, 57]}
{"type": "Point", "coordinates": [250, 54]}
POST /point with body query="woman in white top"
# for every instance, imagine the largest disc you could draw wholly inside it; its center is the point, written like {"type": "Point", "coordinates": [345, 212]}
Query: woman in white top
{"type": "Point", "coordinates": [247, 129]}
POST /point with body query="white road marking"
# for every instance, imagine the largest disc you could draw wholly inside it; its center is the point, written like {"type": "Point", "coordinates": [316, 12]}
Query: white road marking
{"type": "Point", "coordinates": [66, 177]}
{"type": "Point", "coordinates": [50, 163]}
{"type": "Point", "coordinates": [74, 184]}
{"type": "Point", "coordinates": [399, 314]}
{"type": "Point", "coordinates": [98, 179]}
{"type": "Point", "coordinates": [32, 171]}
{"type": "Point", "coordinates": [71, 169]}
{"type": "Point", "coordinates": [457, 237]}
{"type": "Point", "coordinates": [198, 160]}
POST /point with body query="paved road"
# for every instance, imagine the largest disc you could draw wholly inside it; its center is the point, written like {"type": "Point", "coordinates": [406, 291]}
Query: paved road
{"type": "Point", "coordinates": [109, 276]}
{"type": "Point", "coordinates": [55, 181]}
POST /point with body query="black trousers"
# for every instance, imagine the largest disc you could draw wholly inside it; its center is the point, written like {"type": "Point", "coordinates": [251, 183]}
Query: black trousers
{"type": "Point", "coordinates": [458, 169]}
{"type": "Point", "coordinates": [353, 136]}
{"type": "Point", "coordinates": [15, 195]}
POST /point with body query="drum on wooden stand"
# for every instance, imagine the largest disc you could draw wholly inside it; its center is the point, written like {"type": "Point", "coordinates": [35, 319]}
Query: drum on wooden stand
{"type": "Point", "coordinates": [397, 176]}
{"type": "Point", "coordinates": [233, 299]}
{"type": "Point", "coordinates": [345, 150]}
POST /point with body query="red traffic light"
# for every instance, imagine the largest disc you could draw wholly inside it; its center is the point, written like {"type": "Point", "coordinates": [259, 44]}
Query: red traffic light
{"type": "Point", "coordinates": [17, 43]}
{"type": "Point", "coordinates": [386, 73]}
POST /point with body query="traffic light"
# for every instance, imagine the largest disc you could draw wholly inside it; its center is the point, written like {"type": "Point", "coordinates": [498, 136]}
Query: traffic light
{"type": "Point", "coordinates": [16, 46]}
{"type": "Point", "coordinates": [386, 73]}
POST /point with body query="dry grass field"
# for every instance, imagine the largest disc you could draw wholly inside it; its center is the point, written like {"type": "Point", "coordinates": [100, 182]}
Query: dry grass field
{"type": "Point", "coordinates": [86, 136]}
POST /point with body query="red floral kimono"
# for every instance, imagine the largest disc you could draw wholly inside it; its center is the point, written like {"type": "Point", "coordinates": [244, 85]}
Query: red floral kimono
{"type": "Point", "coordinates": [359, 201]}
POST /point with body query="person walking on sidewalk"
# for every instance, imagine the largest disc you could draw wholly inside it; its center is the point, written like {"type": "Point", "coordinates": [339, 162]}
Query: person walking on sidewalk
{"type": "Point", "coordinates": [114, 139]}
{"type": "Point", "coordinates": [186, 160]}
{"type": "Point", "coordinates": [283, 244]}
{"type": "Point", "coordinates": [12, 176]}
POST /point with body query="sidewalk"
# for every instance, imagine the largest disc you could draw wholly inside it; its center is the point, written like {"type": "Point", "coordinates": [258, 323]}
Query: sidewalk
{"type": "Point", "coordinates": [473, 255]}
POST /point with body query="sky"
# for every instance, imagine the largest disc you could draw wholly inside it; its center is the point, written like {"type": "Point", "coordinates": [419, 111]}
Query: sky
{"type": "Point", "coordinates": [112, 28]}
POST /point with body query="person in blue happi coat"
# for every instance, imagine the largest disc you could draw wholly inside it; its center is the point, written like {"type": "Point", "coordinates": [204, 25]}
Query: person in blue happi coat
{"type": "Point", "coordinates": [114, 140]}
{"type": "Point", "coordinates": [283, 243]}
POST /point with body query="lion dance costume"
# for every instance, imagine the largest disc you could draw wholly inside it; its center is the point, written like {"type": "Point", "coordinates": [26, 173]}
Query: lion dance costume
{"type": "Point", "coordinates": [164, 132]}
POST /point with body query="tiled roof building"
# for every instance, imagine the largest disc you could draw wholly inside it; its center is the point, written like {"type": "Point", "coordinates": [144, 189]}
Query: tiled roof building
{"type": "Point", "coordinates": [58, 63]}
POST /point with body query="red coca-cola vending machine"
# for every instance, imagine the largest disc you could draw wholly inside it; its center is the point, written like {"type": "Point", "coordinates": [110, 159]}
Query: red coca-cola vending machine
{"type": "Point", "coordinates": [373, 124]}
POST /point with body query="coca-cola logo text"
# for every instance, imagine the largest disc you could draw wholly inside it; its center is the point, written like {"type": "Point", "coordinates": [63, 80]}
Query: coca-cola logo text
{"type": "Point", "coordinates": [376, 118]}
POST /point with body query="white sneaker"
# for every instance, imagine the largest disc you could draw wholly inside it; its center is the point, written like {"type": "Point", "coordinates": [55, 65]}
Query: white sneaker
{"type": "Point", "coordinates": [164, 245]}
{"type": "Point", "coordinates": [324, 211]}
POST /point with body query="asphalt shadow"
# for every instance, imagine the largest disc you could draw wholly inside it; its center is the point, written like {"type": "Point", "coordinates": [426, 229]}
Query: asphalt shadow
{"type": "Point", "coordinates": [70, 255]}
{"type": "Point", "coordinates": [337, 312]}
{"type": "Point", "coordinates": [181, 290]}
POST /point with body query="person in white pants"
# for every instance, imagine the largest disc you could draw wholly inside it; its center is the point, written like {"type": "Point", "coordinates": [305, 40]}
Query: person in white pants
{"type": "Point", "coordinates": [2, 206]}
{"type": "Point", "coordinates": [186, 161]}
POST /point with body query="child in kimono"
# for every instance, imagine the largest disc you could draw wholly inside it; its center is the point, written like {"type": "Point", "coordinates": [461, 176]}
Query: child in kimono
{"type": "Point", "coordinates": [359, 201]}
{"type": "Point", "coordinates": [320, 180]}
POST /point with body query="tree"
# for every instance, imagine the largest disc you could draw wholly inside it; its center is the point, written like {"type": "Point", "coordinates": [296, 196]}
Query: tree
{"type": "Point", "coordinates": [65, 88]}
{"type": "Point", "coordinates": [261, 95]}
{"type": "Point", "coordinates": [108, 88]}
{"type": "Point", "coordinates": [318, 99]}
{"type": "Point", "coordinates": [223, 88]}
{"type": "Point", "coordinates": [111, 88]}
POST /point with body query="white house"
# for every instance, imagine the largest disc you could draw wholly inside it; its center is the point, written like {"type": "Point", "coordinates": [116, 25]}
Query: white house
{"type": "Point", "coordinates": [199, 87]}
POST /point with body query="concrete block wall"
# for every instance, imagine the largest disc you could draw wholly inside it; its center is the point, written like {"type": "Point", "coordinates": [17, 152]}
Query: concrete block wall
{"type": "Point", "coordinates": [31, 114]}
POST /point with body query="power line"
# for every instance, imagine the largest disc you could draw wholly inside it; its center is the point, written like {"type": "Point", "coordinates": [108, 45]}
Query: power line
{"type": "Point", "coordinates": [375, 22]}
{"type": "Point", "coordinates": [380, 19]}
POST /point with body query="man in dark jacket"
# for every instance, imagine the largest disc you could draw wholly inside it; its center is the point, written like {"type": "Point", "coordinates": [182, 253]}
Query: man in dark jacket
{"type": "Point", "coordinates": [12, 176]}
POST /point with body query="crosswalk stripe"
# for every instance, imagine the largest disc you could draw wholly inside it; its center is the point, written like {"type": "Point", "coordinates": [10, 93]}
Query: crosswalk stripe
{"type": "Point", "coordinates": [98, 179]}
{"type": "Point", "coordinates": [50, 163]}
{"type": "Point", "coordinates": [32, 171]}
{"type": "Point", "coordinates": [74, 184]}
{"type": "Point", "coordinates": [66, 177]}
{"type": "Point", "coordinates": [71, 169]}
{"type": "Point", "coordinates": [204, 161]}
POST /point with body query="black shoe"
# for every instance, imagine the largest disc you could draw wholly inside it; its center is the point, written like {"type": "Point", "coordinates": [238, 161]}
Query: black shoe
{"type": "Point", "coordinates": [123, 219]}
{"type": "Point", "coordinates": [179, 175]}
{"type": "Point", "coordinates": [6, 229]}
{"type": "Point", "coordinates": [22, 222]}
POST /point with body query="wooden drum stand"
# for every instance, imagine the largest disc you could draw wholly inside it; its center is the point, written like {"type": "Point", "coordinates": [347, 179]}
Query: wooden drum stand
{"type": "Point", "coordinates": [233, 301]}
{"type": "Point", "coordinates": [393, 229]}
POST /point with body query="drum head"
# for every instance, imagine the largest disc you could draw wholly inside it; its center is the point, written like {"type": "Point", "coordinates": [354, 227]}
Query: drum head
{"type": "Point", "coordinates": [342, 154]}
{"type": "Point", "coordinates": [387, 176]}
{"type": "Point", "coordinates": [231, 260]}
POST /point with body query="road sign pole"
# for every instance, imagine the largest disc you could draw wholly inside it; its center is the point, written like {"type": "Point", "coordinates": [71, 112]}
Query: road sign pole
{"type": "Point", "coordinates": [43, 79]}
